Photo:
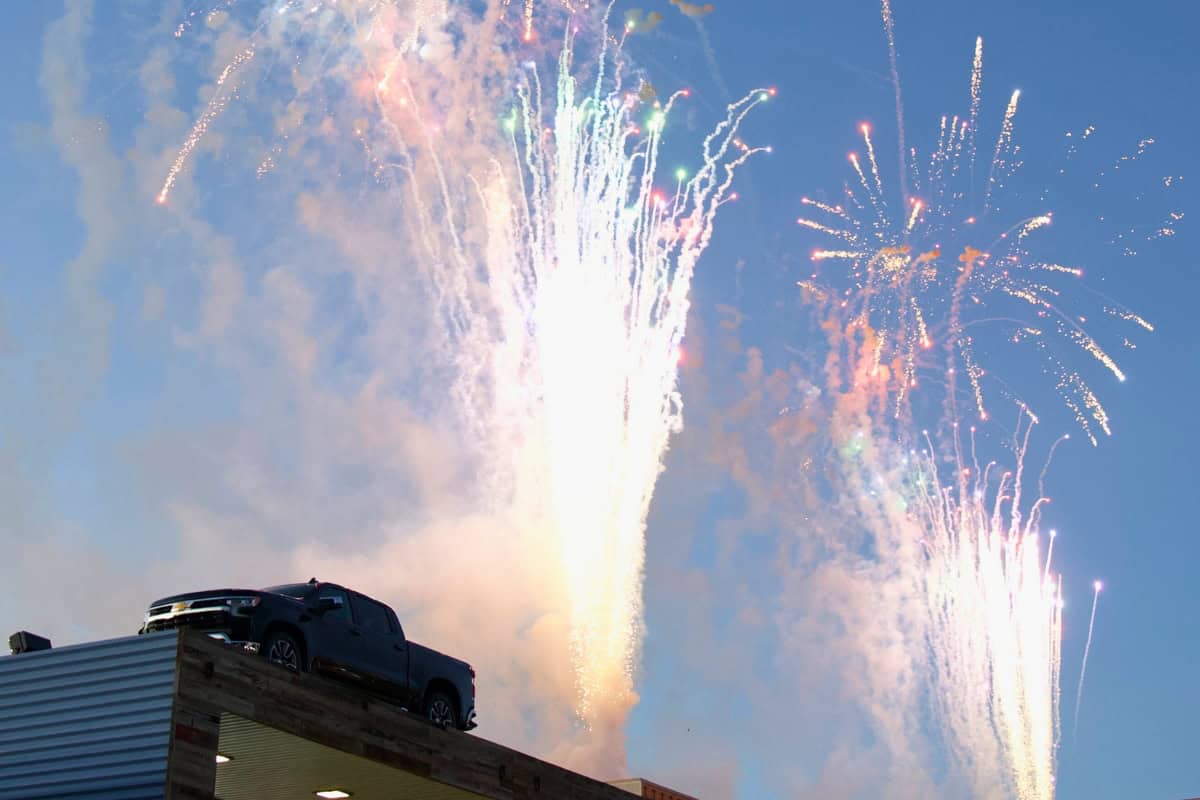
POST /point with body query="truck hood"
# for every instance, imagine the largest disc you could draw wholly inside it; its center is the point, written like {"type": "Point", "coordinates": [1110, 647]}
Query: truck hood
{"type": "Point", "coordinates": [207, 593]}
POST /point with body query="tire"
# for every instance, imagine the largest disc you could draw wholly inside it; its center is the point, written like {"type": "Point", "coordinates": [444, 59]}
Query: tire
{"type": "Point", "coordinates": [440, 710]}
{"type": "Point", "coordinates": [282, 648]}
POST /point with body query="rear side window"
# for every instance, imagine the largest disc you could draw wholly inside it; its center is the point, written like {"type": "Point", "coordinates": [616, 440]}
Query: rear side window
{"type": "Point", "coordinates": [372, 617]}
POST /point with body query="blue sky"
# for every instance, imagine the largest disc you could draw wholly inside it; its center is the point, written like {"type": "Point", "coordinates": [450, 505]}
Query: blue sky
{"type": "Point", "coordinates": [129, 414]}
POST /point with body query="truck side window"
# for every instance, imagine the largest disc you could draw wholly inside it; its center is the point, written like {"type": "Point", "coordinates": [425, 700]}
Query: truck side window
{"type": "Point", "coordinates": [372, 616]}
{"type": "Point", "coordinates": [342, 612]}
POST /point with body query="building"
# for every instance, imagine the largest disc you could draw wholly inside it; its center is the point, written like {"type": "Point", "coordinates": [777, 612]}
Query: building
{"type": "Point", "coordinates": [178, 715]}
{"type": "Point", "coordinates": [650, 791]}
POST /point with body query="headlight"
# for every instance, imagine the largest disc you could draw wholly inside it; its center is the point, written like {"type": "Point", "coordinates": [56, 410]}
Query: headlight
{"type": "Point", "coordinates": [243, 603]}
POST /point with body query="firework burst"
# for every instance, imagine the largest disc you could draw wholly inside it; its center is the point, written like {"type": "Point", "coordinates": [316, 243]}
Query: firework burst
{"type": "Point", "coordinates": [610, 255]}
{"type": "Point", "coordinates": [590, 259]}
{"type": "Point", "coordinates": [916, 290]}
{"type": "Point", "coordinates": [944, 268]}
{"type": "Point", "coordinates": [590, 256]}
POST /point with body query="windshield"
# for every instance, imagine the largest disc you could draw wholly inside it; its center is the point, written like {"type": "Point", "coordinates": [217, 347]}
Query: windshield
{"type": "Point", "coordinates": [295, 590]}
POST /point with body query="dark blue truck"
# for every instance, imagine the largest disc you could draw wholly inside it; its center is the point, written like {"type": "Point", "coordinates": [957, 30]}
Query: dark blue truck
{"type": "Point", "coordinates": [327, 628]}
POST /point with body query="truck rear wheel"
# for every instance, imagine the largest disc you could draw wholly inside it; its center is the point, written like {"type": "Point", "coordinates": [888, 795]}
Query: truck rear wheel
{"type": "Point", "coordinates": [439, 708]}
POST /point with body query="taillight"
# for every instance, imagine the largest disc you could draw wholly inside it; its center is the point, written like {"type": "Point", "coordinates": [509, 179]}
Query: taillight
{"type": "Point", "coordinates": [472, 671]}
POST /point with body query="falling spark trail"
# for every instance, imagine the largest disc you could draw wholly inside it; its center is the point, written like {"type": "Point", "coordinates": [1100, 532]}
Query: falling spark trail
{"type": "Point", "coordinates": [526, 19]}
{"type": "Point", "coordinates": [216, 105]}
{"type": "Point", "coordinates": [976, 99]}
{"type": "Point", "coordinates": [912, 220]}
{"type": "Point", "coordinates": [866, 130]}
{"type": "Point", "coordinates": [1083, 667]}
{"type": "Point", "coordinates": [1002, 143]}
{"type": "Point", "coordinates": [994, 609]}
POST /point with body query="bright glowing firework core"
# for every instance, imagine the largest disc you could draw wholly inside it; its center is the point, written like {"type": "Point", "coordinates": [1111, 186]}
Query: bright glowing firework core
{"type": "Point", "coordinates": [589, 258]}
{"type": "Point", "coordinates": [611, 258]}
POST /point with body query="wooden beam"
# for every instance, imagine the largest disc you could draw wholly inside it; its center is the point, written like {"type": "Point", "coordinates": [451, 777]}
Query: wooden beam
{"type": "Point", "coordinates": [195, 733]}
{"type": "Point", "coordinates": [214, 678]}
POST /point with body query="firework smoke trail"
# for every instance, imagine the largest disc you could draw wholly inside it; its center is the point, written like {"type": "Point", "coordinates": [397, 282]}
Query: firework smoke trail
{"type": "Point", "coordinates": [1097, 586]}
{"type": "Point", "coordinates": [889, 29]}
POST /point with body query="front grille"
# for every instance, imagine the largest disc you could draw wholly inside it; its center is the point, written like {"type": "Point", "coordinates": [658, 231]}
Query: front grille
{"type": "Point", "coordinates": [217, 602]}
{"type": "Point", "coordinates": [206, 620]}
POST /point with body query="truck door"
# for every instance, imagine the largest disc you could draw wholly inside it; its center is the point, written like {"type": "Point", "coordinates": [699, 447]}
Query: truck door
{"type": "Point", "coordinates": [339, 647]}
{"type": "Point", "coordinates": [385, 655]}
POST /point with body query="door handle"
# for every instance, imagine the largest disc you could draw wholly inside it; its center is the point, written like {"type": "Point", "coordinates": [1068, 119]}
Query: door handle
{"type": "Point", "coordinates": [355, 632]}
{"type": "Point", "coordinates": [398, 646]}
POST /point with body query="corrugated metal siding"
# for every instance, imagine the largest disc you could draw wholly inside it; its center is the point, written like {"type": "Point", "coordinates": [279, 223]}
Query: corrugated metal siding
{"type": "Point", "coordinates": [88, 721]}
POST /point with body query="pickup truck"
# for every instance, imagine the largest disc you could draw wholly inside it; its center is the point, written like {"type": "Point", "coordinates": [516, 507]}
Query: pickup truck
{"type": "Point", "coordinates": [326, 628]}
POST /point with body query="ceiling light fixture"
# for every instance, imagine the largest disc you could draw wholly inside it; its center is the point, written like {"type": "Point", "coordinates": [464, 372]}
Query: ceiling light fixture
{"type": "Point", "coordinates": [223, 759]}
{"type": "Point", "coordinates": [332, 794]}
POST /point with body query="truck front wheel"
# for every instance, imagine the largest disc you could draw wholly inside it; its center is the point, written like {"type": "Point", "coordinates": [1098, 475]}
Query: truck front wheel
{"type": "Point", "coordinates": [282, 648]}
{"type": "Point", "coordinates": [440, 710]}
